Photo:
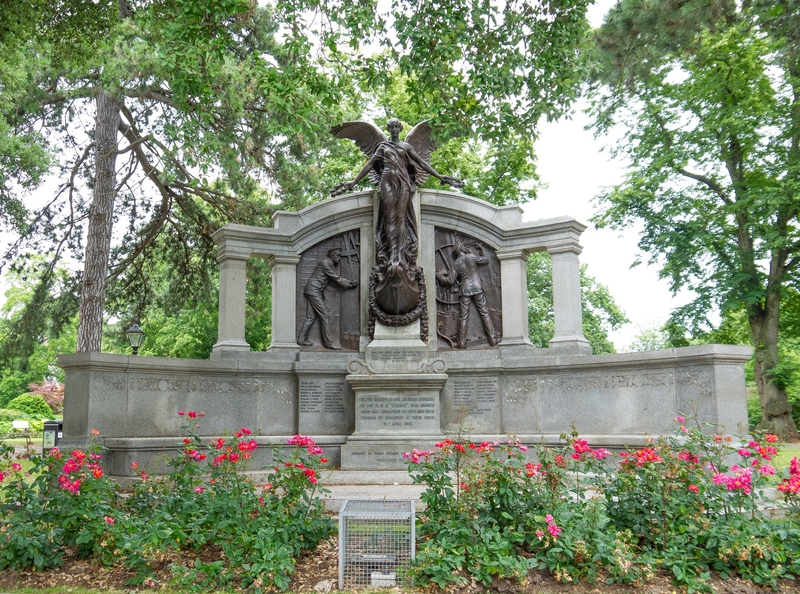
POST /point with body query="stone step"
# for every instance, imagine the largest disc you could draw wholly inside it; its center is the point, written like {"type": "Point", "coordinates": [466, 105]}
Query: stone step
{"type": "Point", "coordinates": [360, 484]}
{"type": "Point", "coordinates": [334, 500]}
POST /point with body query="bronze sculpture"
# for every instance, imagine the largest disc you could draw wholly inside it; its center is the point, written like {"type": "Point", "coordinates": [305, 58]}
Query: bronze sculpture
{"type": "Point", "coordinates": [397, 293]}
{"type": "Point", "coordinates": [327, 270]}
{"type": "Point", "coordinates": [465, 272]}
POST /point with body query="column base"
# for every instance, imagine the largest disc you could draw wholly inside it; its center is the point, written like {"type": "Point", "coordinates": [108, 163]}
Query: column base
{"type": "Point", "coordinates": [229, 346]}
{"type": "Point", "coordinates": [571, 345]}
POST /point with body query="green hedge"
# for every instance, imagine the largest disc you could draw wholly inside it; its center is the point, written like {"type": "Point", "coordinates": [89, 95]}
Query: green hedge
{"type": "Point", "coordinates": [32, 404]}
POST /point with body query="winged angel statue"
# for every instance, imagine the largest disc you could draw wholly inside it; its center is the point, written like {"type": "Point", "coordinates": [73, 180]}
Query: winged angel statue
{"type": "Point", "coordinates": [397, 168]}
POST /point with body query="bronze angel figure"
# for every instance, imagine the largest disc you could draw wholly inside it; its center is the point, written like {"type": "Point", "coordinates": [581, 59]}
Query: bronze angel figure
{"type": "Point", "coordinates": [397, 168]}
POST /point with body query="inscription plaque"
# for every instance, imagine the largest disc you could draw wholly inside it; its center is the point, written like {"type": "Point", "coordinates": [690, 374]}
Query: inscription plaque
{"type": "Point", "coordinates": [617, 401]}
{"type": "Point", "coordinates": [475, 396]}
{"type": "Point", "coordinates": [401, 413]}
{"type": "Point", "coordinates": [321, 396]}
{"type": "Point", "coordinates": [323, 407]}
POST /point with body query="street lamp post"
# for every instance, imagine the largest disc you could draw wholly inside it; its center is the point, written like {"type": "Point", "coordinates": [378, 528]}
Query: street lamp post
{"type": "Point", "coordinates": [135, 337]}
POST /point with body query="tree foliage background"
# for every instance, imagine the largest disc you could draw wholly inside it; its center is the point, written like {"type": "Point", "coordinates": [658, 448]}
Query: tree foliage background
{"type": "Point", "coordinates": [708, 95]}
{"type": "Point", "coordinates": [156, 122]}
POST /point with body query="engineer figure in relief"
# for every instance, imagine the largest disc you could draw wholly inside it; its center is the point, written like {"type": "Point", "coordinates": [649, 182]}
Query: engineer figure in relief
{"type": "Point", "coordinates": [465, 272]}
{"type": "Point", "coordinates": [327, 270]}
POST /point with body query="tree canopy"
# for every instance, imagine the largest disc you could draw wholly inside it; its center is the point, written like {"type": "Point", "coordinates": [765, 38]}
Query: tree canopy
{"type": "Point", "coordinates": [708, 96]}
{"type": "Point", "coordinates": [165, 119]}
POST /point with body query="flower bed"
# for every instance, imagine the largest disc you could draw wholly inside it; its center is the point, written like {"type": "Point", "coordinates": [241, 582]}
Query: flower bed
{"type": "Point", "coordinates": [688, 504]}
{"type": "Point", "coordinates": [205, 501]}
{"type": "Point", "coordinates": [585, 514]}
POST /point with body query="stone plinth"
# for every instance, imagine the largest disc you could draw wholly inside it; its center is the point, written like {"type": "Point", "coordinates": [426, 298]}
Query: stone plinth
{"type": "Point", "coordinates": [397, 400]}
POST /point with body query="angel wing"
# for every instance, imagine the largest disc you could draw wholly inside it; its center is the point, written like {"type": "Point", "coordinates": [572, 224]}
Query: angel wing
{"type": "Point", "coordinates": [366, 135]}
{"type": "Point", "coordinates": [420, 139]}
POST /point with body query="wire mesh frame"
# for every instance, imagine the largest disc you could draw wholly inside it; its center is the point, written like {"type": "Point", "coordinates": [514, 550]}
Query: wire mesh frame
{"type": "Point", "coordinates": [376, 542]}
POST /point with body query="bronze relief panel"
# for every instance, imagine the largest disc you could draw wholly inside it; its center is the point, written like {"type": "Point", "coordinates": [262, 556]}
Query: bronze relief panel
{"type": "Point", "coordinates": [468, 293]}
{"type": "Point", "coordinates": [327, 298]}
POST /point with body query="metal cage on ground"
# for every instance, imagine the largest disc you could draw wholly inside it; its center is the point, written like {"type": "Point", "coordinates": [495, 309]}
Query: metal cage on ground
{"type": "Point", "coordinates": [376, 542]}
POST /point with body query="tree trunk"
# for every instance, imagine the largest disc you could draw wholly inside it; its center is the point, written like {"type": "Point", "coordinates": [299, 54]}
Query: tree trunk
{"type": "Point", "coordinates": [775, 407]}
{"type": "Point", "coordinates": [101, 217]}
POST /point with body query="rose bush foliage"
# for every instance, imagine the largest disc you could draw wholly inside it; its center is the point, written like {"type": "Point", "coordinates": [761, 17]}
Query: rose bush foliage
{"type": "Point", "coordinates": [686, 503]}
{"type": "Point", "coordinates": [205, 500]}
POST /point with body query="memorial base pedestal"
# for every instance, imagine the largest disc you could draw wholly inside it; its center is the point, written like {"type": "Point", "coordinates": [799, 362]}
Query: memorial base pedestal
{"type": "Point", "coordinates": [370, 453]}
{"type": "Point", "coordinates": [397, 392]}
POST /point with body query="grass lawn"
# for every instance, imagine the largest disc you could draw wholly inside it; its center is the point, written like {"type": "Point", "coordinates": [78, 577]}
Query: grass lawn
{"type": "Point", "coordinates": [785, 455]}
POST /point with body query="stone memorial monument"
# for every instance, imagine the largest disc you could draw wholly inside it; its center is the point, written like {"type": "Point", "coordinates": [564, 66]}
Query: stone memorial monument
{"type": "Point", "coordinates": [399, 316]}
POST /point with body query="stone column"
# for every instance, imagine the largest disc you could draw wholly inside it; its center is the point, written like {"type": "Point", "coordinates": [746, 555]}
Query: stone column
{"type": "Point", "coordinates": [232, 292]}
{"type": "Point", "coordinates": [284, 300]}
{"type": "Point", "coordinates": [567, 312]}
{"type": "Point", "coordinates": [515, 296]}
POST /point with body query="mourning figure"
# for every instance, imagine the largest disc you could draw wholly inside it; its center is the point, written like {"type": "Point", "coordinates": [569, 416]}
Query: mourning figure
{"type": "Point", "coordinates": [397, 168]}
{"type": "Point", "coordinates": [465, 272]}
{"type": "Point", "coordinates": [327, 270]}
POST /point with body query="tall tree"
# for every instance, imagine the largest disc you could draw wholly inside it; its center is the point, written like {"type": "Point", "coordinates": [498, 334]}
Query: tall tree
{"type": "Point", "coordinates": [708, 95]}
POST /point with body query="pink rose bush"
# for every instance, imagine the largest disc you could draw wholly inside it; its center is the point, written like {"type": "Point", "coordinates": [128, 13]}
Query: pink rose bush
{"type": "Point", "coordinates": [790, 486]}
{"type": "Point", "coordinates": [686, 504]}
{"type": "Point", "coordinates": [205, 499]}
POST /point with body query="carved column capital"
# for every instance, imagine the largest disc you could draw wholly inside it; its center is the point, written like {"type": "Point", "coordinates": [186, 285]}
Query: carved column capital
{"type": "Point", "coordinates": [278, 259]}
{"type": "Point", "coordinates": [565, 248]}
{"type": "Point", "coordinates": [519, 254]}
{"type": "Point", "coordinates": [226, 253]}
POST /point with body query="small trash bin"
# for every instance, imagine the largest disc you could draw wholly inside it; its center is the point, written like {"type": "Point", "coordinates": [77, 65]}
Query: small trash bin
{"type": "Point", "coordinates": [53, 431]}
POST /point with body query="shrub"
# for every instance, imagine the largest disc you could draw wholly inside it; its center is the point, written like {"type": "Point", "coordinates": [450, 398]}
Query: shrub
{"type": "Point", "coordinates": [486, 503]}
{"type": "Point", "coordinates": [205, 500]}
{"type": "Point", "coordinates": [33, 405]}
{"type": "Point", "coordinates": [9, 414]}
{"type": "Point", "coordinates": [672, 505]}
{"type": "Point", "coordinates": [65, 504]}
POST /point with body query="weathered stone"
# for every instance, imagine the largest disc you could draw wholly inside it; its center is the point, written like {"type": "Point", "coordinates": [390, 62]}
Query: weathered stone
{"type": "Point", "coordinates": [394, 392]}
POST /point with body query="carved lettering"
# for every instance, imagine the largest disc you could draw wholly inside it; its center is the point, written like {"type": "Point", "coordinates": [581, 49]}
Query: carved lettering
{"type": "Point", "coordinates": [396, 412]}
{"type": "Point", "coordinates": [310, 397]}
{"type": "Point", "coordinates": [519, 391]}
{"type": "Point", "coordinates": [614, 381]}
{"type": "Point", "coordinates": [334, 397]}
{"type": "Point", "coordinates": [282, 390]}
{"type": "Point", "coordinates": [107, 383]}
{"type": "Point", "coordinates": [700, 380]}
{"type": "Point", "coordinates": [475, 396]}
{"type": "Point", "coordinates": [215, 386]}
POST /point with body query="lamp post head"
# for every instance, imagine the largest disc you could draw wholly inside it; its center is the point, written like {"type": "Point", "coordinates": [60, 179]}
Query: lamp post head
{"type": "Point", "coordinates": [135, 336]}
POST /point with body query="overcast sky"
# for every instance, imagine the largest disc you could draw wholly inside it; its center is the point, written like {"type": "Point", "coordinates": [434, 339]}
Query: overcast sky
{"type": "Point", "coordinates": [572, 164]}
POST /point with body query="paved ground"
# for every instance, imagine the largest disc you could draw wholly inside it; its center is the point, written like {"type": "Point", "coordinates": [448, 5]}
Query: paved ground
{"type": "Point", "coordinates": [348, 484]}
